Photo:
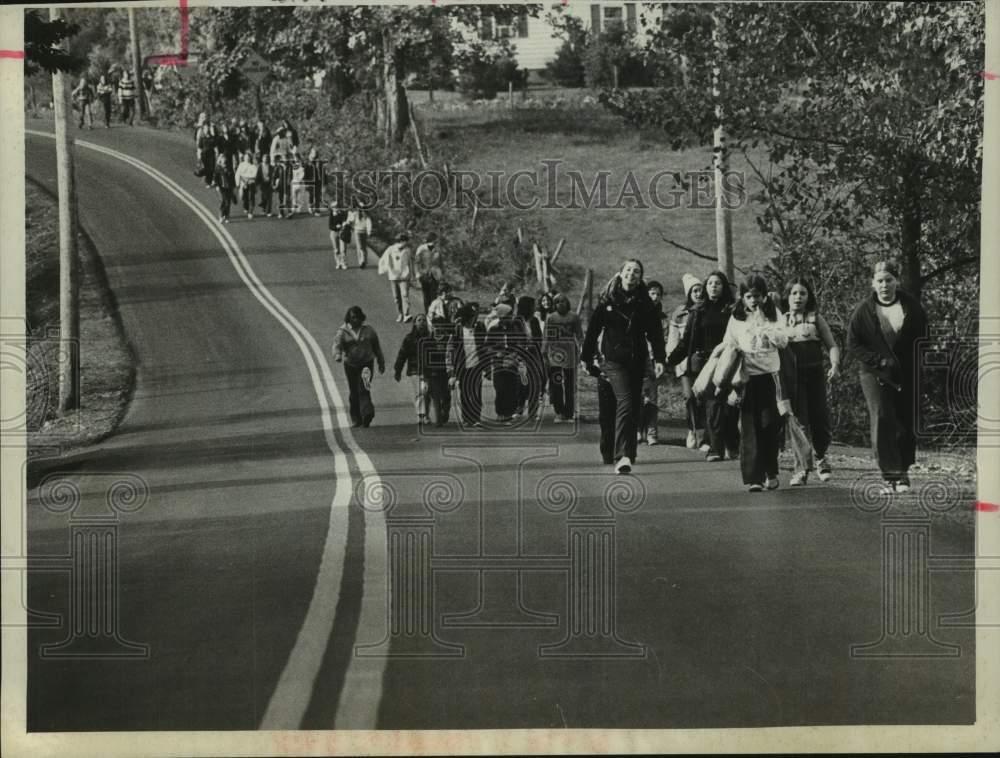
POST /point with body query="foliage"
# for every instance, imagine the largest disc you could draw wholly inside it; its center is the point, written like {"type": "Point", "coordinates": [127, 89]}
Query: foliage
{"type": "Point", "coordinates": [567, 68]}
{"type": "Point", "coordinates": [869, 118]}
{"type": "Point", "coordinates": [43, 42]}
{"type": "Point", "coordinates": [486, 68]}
{"type": "Point", "coordinates": [614, 48]}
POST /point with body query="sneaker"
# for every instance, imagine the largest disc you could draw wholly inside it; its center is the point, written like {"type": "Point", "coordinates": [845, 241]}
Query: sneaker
{"type": "Point", "coordinates": [624, 465]}
{"type": "Point", "coordinates": [823, 470]}
{"type": "Point", "coordinates": [705, 447]}
{"type": "Point", "coordinates": [888, 488]}
{"type": "Point", "coordinates": [652, 440]}
{"type": "Point", "coordinates": [733, 455]}
{"type": "Point", "coordinates": [558, 420]}
{"type": "Point", "coordinates": [366, 378]}
{"type": "Point", "coordinates": [249, 216]}
{"type": "Point", "coordinates": [407, 318]}
{"type": "Point", "coordinates": [692, 441]}
{"type": "Point", "coordinates": [269, 215]}
{"type": "Point", "coordinates": [798, 478]}
{"type": "Point", "coordinates": [712, 457]}
{"type": "Point", "coordinates": [903, 485]}
{"type": "Point", "coordinates": [399, 318]}
{"type": "Point", "coordinates": [756, 488]}
{"type": "Point", "coordinates": [772, 484]}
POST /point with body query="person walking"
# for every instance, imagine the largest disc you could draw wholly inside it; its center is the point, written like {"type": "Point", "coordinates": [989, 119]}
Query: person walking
{"type": "Point", "coordinates": [397, 264]}
{"type": "Point", "coordinates": [438, 311]}
{"type": "Point", "coordinates": [808, 333]}
{"type": "Point", "coordinates": [754, 330]}
{"type": "Point", "coordinates": [356, 345]}
{"type": "Point", "coordinates": [265, 183]}
{"type": "Point", "coordinates": [561, 345]}
{"type": "Point", "coordinates": [281, 145]}
{"type": "Point", "coordinates": [361, 228]}
{"type": "Point", "coordinates": [649, 418]}
{"type": "Point", "coordinates": [224, 145]}
{"type": "Point", "coordinates": [224, 182]}
{"type": "Point", "coordinates": [408, 358]}
{"type": "Point", "coordinates": [83, 94]}
{"type": "Point", "coordinates": [502, 337]}
{"type": "Point", "coordinates": [704, 330]}
{"type": "Point", "coordinates": [280, 182]}
{"type": "Point", "coordinates": [533, 374]}
{"type": "Point", "coordinates": [427, 264]}
{"type": "Point", "coordinates": [434, 365]}
{"type": "Point", "coordinates": [126, 97]}
{"type": "Point", "coordinates": [313, 180]}
{"type": "Point", "coordinates": [246, 182]}
{"type": "Point", "coordinates": [694, 293]}
{"type": "Point", "coordinates": [205, 141]}
{"type": "Point", "coordinates": [104, 94]}
{"type": "Point", "coordinates": [627, 324]}
{"type": "Point", "coordinates": [467, 362]}
{"type": "Point", "coordinates": [339, 228]}
{"type": "Point", "coordinates": [882, 337]}
{"type": "Point", "coordinates": [261, 139]}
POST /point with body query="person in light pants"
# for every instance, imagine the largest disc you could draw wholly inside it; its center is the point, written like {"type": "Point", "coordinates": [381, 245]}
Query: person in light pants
{"type": "Point", "coordinates": [409, 358]}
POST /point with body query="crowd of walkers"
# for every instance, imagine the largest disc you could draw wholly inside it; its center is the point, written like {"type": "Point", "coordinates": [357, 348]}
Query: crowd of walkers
{"type": "Point", "coordinates": [750, 363]}
{"type": "Point", "coordinates": [107, 91]}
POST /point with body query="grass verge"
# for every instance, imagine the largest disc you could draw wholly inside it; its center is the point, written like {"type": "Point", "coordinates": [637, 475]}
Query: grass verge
{"type": "Point", "coordinates": [107, 364]}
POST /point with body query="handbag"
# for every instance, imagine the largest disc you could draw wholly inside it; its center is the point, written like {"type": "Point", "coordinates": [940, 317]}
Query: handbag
{"type": "Point", "coordinates": [345, 233]}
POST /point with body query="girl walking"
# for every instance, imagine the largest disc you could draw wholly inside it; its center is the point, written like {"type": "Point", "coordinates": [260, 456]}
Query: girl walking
{"type": "Point", "coordinates": [808, 333]}
{"type": "Point", "coordinates": [224, 182]}
{"type": "Point", "coordinates": [706, 326]}
{"type": "Point", "coordinates": [246, 182]}
{"type": "Point", "coordinates": [337, 222]}
{"type": "Point", "coordinates": [104, 93]}
{"type": "Point", "coordinates": [628, 324]}
{"type": "Point", "coordinates": [561, 345]}
{"type": "Point", "coordinates": [409, 358]}
{"type": "Point", "coordinates": [361, 224]}
{"type": "Point", "coordinates": [502, 340]}
{"type": "Point", "coordinates": [467, 361]}
{"type": "Point", "coordinates": [357, 347]}
{"type": "Point", "coordinates": [755, 331]}
{"type": "Point", "coordinates": [265, 179]}
{"type": "Point", "coordinates": [531, 387]}
{"type": "Point", "coordinates": [882, 336]}
{"type": "Point", "coordinates": [694, 294]}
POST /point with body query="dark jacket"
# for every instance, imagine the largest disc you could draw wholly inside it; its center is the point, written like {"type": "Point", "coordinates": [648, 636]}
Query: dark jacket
{"type": "Point", "coordinates": [224, 178]}
{"type": "Point", "coordinates": [628, 321]}
{"type": "Point", "coordinates": [456, 348]}
{"type": "Point", "coordinates": [868, 346]}
{"type": "Point", "coordinates": [705, 327]}
{"type": "Point", "coordinates": [413, 354]}
{"type": "Point", "coordinates": [336, 219]}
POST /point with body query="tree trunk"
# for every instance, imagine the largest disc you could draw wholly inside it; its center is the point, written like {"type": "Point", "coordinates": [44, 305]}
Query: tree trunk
{"type": "Point", "coordinates": [396, 104]}
{"type": "Point", "coordinates": [911, 225]}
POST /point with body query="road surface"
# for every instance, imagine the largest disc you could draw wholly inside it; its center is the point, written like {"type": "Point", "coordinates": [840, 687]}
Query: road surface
{"type": "Point", "coordinates": [529, 586]}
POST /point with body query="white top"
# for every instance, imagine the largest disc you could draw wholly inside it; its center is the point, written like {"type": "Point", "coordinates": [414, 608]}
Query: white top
{"type": "Point", "coordinates": [427, 260]}
{"type": "Point", "coordinates": [890, 318]}
{"type": "Point", "coordinates": [469, 344]}
{"type": "Point", "coordinates": [396, 263]}
{"type": "Point", "coordinates": [759, 341]}
{"type": "Point", "coordinates": [246, 174]}
{"type": "Point", "coordinates": [361, 225]}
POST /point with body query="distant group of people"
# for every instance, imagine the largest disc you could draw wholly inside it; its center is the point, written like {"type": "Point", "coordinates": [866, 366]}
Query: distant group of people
{"type": "Point", "coordinates": [750, 364]}
{"type": "Point", "coordinates": [86, 94]}
{"type": "Point", "coordinates": [262, 171]}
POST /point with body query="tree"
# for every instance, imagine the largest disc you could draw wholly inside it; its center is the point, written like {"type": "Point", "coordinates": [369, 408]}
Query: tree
{"type": "Point", "coordinates": [869, 116]}
{"type": "Point", "coordinates": [42, 45]}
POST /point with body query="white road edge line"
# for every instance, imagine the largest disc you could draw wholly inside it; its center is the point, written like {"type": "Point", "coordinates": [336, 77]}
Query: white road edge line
{"type": "Point", "coordinates": [362, 689]}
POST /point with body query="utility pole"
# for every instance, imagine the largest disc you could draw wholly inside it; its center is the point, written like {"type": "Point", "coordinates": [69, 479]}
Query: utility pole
{"type": "Point", "coordinates": [140, 92]}
{"type": "Point", "coordinates": [723, 216]}
{"type": "Point", "coordinates": [69, 282]}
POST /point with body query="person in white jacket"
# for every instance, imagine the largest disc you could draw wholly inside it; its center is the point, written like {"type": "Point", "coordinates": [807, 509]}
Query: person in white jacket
{"type": "Point", "coordinates": [757, 333]}
{"type": "Point", "coordinates": [397, 264]}
{"type": "Point", "coordinates": [246, 182]}
{"type": "Point", "coordinates": [361, 225]}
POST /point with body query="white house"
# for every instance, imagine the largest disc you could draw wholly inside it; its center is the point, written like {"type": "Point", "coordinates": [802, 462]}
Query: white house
{"type": "Point", "coordinates": [534, 37]}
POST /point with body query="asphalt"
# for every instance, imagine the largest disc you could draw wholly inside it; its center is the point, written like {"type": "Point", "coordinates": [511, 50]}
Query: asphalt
{"type": "Point", "coordinates": [258, 572]}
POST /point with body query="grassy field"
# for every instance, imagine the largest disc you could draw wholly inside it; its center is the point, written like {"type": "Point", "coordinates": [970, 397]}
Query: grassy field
{"type": "Point", "coordinates": [106, 363]}
{"type": "Point", "coordinates": [587, 140]}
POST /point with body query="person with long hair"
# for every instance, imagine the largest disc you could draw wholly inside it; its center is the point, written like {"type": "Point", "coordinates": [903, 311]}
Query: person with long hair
{"type": "Point", "coordinates": [755, 331]}
{"type": "Point", "coordinates": [224, 182]}
{"type": "Point", "coordinates": [882, 336]}
{"type": "Point", "coordinates": [356, 345]}
{"type": "Point", "coordinates": [467, 363]}
{"type": "Point", "coordinates": [628, 324]}
{"type": "Point", "coordinates": [409, 358]}
{"type": "Point", "coordinates": [246, 182]}
{"type": "Point", "coordinates": [694, 293]}
{"type": "Point", "coordinates": [531, 386]}
{"type": "Point", "coordinates": [705, 328]}
{"type": "Point", "coordinates": [649, 420]}
{"type": "Point", "coordinates": [561, 344]}
{"type": "Point", "coordinates": [503, 338]}
{"type": "Point", "coordinates": [337, 219]}
{"type": "Point", "coordinates": [808, 333]}
{"type": "Point", "coordinates": [360, 222]}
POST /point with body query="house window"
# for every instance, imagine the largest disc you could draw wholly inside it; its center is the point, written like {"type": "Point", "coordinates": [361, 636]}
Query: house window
{"type": "Point", "coordinates": [614, 18]}
{"type": "Point", "coordinates": [606, 17]}
{"type": "Point", "coordinates": [517, 28]}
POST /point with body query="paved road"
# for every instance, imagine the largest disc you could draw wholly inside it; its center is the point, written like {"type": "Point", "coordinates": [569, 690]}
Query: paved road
{"type": "Point", "coordinates": [257, 570]}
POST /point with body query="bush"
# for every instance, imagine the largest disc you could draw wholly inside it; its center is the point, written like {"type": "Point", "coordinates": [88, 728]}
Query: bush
{"type": "Point", "coordinates": [486, 69]}
{"type": "Point", "coordinates": [567, 68]}
{"type": "Point", "coordinates": [614, 47]}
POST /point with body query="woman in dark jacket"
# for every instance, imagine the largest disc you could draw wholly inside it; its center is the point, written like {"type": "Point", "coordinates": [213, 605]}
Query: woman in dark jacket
{"type": "Point", "coordinates": [628, 325]}
{"type": "Point", "coordinates": [409, 358]}
{"type": "Point", "coordinates": [356, 345]}
{"type": "Point", "coordinates": [704, 330]}
{"type": "Point", "coordinates": [882, 336]}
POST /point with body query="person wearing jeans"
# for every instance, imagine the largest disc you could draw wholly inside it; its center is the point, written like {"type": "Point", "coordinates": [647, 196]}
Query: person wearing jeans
{"type": "Point", "coordinates": [409, 358]}
{"type": "Point", "coordinates": [397, 264]}
{"type": "Point", "coordinates": [356, 345]}
{"type": "Point", "coordinates": [467, 363]}
{"type": "Point", "coordinates": [629, 326]}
